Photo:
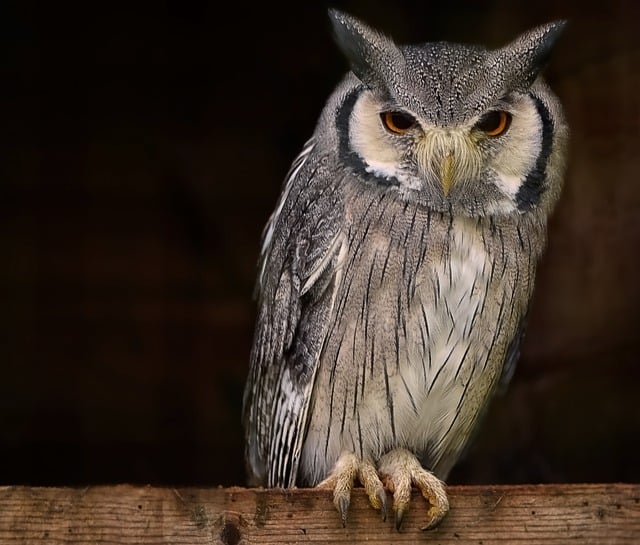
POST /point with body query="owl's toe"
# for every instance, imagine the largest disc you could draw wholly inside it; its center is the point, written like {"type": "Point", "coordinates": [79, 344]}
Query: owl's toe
{"type": "Point", "coordinates": [368, 476]}
{"type": "Point", "coordinates": [341, 480]}
{"type": "Point", "coordinates": [434, 492]}
{"type": "Point", "coordinates": [400, 469]}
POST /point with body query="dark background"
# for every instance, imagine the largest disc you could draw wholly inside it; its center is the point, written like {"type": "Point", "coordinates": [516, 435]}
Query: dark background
{"type": "Point", "coordinates": [143, 146]}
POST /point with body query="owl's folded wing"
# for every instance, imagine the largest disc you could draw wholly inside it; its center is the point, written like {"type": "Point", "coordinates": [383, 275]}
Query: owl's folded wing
{"type": "Point", "coordinates": [296, 285]}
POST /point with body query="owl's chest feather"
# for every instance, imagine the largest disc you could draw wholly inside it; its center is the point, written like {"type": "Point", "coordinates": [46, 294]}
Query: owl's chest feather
{"type": "Point", "coordinates": [453, 327]}
{"type": "Point", "coordinates": [416, 342]}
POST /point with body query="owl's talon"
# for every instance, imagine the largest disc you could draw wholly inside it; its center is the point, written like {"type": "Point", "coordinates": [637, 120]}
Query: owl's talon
{"type": "Point", "coordinates": [343, 509]}
{"type": "Point", "coordinates": [379, 501]}
{"type": "Point", "coordinates": [400, 511]}
{"type": "Point", "coordinates": [383, 505]}
{"type": "Point", "coordinates": [341, 480]}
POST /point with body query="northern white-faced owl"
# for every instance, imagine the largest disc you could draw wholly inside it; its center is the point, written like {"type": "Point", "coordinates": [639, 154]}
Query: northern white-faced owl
{"type": "Point", "coordinates": [398, 266]}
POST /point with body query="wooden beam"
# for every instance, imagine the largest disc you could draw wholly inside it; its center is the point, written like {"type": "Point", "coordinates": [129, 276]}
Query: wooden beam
{"type": "Point", "coordinates": [543, 514]}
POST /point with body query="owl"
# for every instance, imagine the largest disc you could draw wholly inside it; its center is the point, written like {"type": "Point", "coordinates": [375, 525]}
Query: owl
{"type": "Point", "coordinates": [398, 266]}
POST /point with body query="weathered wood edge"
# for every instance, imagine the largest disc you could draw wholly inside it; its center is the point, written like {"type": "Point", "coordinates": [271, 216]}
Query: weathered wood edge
{"type": "Point", "coordinates": [577, 513]}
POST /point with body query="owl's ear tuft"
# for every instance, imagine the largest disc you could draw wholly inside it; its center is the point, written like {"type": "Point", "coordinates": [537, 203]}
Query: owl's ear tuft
{"type": "Point", "coordinates": [369, 52]}
{"type": "Point", "coordinates": [537, 44]}
{"type": "Point", "coordinates": [532, 50]}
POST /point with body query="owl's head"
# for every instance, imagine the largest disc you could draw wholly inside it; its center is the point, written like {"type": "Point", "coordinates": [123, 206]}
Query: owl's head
{"type": "Point", "coordinates": [456, 127]}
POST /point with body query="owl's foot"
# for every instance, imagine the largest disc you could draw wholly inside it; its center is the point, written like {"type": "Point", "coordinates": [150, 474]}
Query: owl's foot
{"type": "Point", "coordinates": [348, 468]}
{"type": "Point", "coordinates": [400, 469]}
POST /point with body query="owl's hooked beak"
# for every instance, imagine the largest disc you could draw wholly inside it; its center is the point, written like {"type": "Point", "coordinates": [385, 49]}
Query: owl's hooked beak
{"type": "Point", "coordinates": [448, 158]}
{"type": "Point", "coordinates": [447, 172]}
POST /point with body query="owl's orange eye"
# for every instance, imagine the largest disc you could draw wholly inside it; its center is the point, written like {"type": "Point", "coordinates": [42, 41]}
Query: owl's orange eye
{"type": "Point", "coordinates": [494, 123]}
{"type": "Point", "coordinates": [398, 122]}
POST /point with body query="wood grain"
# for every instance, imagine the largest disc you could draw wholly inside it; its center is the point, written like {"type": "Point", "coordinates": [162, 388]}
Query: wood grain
{"type": "Point", "coordinates": [551, 514]}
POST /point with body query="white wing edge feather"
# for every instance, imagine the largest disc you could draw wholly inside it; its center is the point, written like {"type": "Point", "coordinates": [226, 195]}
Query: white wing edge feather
{"type": "Point", "coordinates": [297, 164]}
